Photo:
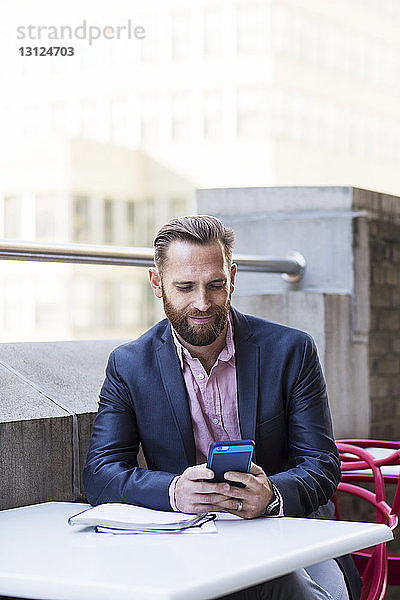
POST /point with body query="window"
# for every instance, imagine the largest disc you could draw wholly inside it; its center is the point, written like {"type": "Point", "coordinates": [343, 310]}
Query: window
{"type": "Point", "coordinates": [108, 221]}
{"type": "Point", "coordinates": [279, 29]}
{"type": "Point", "coordinates": [328, 48]}
{"type": "Point", "coordinates": [252, 31]}
{"type": "Point", "coordinates": [81, 219]}
{"type": "Point", "coordinates": [140, 226]}
{"type": "Point", "coordinates": [49, 310]}
{"type": "Point", "coordinates": [130, 309]}
{"type": "Point", "coordinates": [357, 57]}
{"type": "Point", "coordinates": [180, 124]}
{"type": "Point", "coordinates": [59, 118]}
{"type": "Point", "coordinates": [180, 36]}
{"type": "Point", "coordinates": [357, 133]}
{"type": "Point", "coordinates": [108, 303]}
{"type": "Point", "coordinates": [88, 119]}
{"type": "Point", "coordinates": [148, 47]}
{"type": "Point", "coordinates": [130, 222]}
{"type": "Point", "coordinates": [119, 121]}
{"type": "Point", "coordinates": [300, 113]}
{"type": "Point", "coordinates": [310, 40]}
{"type": "Point", "coordinates": [252, 111]}
{"type": "Point", "coordinates": [47, 314]}
{"type": "Point", "coordinates": [212, 120]}
{"type": "Point", "coordinates": [177, 206]}
{"type": "Point", "coordinates": [279, 113]}
{"type": "Point", "coordinates": [149, 131]}
{"type": "Point", "coordinates": [149, 120]}
{"type": "Point", "coordinates": [151, 220]}
{"type": "Point", "coordinates": [82, 305]}
{"type": "Point", "coordinates": [212, 32]}
{"type": "Point", "coordinates": [144, 222]}
{"type": "Point", "coordinates": [46, 207]}
{"type": "Point", "coordinates": [16, 298]}
{"type": "Point", "coordinates": [12, 217]}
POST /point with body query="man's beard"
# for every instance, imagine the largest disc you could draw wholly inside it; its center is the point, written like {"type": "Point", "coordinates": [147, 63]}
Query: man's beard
{"type": "Point", "coordinates": [197, 334]}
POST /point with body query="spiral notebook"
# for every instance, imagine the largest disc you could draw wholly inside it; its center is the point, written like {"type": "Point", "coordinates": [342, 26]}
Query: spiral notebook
{"type": "Point", "coordinates": [127, 518]}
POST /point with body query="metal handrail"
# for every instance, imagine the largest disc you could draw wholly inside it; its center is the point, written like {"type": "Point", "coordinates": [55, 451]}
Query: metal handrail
{"type": "Point", "coordinates": [291, 267]}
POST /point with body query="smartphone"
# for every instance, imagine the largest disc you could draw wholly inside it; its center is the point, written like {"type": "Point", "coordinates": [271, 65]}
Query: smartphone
{"type": "Point", "coordinates": [234, 455]}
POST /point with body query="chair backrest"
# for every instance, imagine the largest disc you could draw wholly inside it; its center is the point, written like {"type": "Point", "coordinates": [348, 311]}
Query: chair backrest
{"type": "Point", "coordinates": [386, 455]}
{"type": "Point", "coordinates": [359, 465]}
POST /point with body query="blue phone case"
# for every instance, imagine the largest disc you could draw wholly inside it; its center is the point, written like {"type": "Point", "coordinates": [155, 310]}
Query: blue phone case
{"type": "Point", "coordinates": [233, 455]}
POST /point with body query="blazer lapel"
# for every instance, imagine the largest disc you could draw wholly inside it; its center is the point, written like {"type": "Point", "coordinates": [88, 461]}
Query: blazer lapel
{"type": "Point", "coordinates": [175, 389]}
{"type": "Point", "coordinates": [247, 373]}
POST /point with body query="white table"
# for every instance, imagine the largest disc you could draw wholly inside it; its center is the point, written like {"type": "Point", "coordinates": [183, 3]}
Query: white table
{"type": "Point", "coordinates": [41, 556]}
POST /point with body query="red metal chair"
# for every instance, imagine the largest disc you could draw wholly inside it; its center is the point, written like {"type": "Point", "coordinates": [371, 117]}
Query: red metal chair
{"type": "Point", "coordinates": [373, 563]}
{"type": "Point", "coordinates": [386, 456]}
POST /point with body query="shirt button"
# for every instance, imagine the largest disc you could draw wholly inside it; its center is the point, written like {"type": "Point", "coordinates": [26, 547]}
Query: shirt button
{"type": "Point", "coordinates": [200, 376]}
{"type": "Point", "coordinates": [216, 421]}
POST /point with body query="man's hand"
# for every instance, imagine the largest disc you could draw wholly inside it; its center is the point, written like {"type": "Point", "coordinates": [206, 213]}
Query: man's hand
{"type": "Point", "coordinates": [255, 497]}
{"type": "Point", "coordinates": [193, 494]}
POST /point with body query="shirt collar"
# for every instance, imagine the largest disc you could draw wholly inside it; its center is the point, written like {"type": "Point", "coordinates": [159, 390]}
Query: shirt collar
{"type": "Point", "coordinates": [227, 352]}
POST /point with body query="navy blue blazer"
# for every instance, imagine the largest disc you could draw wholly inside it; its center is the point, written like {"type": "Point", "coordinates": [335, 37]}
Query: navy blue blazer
{"type": "Point", "coordinates": [282, 404]}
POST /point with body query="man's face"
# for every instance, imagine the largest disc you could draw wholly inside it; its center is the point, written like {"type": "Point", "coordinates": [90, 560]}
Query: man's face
{"type": "Point", "coordinates": [196, 288]}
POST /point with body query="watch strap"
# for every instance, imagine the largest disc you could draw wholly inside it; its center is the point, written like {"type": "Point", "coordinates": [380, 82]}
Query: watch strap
{"type": "Point", "coordinates": [274, 507]}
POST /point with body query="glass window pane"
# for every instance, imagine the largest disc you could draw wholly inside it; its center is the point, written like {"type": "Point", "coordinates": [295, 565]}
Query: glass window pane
{"type": "Point", "coordinates": [46, 207]}
{"type": "Point", "coordinates": [130, 222]}
{"type": "Point", "coordinates": [12, 217]}
{"type": "Point", "coordinates": [108, 221]}
{"type": "Point", "coordinates": [81, 219]}
{"type": "Point", "coordinates": [212, 33]}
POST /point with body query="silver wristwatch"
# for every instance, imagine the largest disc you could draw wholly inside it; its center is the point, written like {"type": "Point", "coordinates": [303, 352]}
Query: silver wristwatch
{"type": "Point", "coordinates": [274, 506]}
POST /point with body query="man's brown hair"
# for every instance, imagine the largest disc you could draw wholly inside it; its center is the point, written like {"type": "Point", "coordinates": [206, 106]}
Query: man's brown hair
{"type": "Point", "coordinates": [196, 229]}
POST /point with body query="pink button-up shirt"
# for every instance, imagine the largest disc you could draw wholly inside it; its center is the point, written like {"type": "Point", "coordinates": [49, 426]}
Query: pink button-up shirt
{"type": "Point", "coordinates": [212, 397]}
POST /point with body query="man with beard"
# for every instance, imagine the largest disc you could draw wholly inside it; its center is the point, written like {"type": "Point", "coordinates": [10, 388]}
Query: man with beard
{"type": "Point", "coordinates": [209, 373]}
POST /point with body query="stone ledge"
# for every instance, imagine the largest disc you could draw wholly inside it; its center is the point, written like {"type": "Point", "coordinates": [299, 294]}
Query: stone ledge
{"type": "Point", "coordinates": [46, 390]}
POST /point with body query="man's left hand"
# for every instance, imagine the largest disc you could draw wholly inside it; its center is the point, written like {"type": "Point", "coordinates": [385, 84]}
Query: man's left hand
{"type": "Point", "coordinates": [254, 498]}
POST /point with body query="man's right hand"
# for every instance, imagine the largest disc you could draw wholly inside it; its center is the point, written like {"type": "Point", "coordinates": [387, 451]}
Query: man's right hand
{"type": "Point", "coordinates": [194, 494]}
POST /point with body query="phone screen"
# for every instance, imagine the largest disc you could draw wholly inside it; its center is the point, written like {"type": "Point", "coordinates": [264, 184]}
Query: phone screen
{"type": "Point", "coordinates": [230, 456]}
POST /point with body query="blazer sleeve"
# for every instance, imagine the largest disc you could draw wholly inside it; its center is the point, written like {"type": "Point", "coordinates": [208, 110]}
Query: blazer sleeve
{"type": "Point", "coordinates": [111, 472]}
{"type": "Point", "coordinates": [313, 465]}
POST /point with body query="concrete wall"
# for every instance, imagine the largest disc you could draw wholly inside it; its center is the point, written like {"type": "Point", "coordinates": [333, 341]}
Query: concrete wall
{"type": "Point", "coordinates": [342, 232]}
{"type": "Point", "coordinates": [48, 400]}
{"type": "Point", "coordinates": [384, 295]}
